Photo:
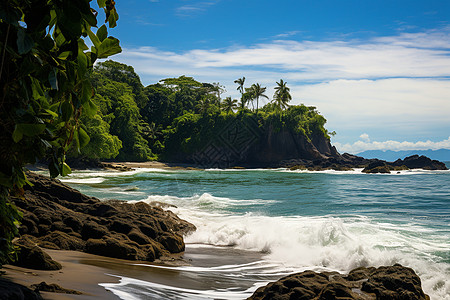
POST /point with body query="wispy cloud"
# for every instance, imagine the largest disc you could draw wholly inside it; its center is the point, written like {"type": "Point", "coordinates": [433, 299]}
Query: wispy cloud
{"type": "Point", "coordinates": [287, 34]}
{"type": "Point", "coordinates": [394, 84]}
{"type": "Point", "coordinates": [194, 8]}
{"type": "Point", "coordinates": [361, 146]}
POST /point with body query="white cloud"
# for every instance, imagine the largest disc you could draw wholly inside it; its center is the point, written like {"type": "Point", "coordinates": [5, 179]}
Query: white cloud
{"type": "Point", "coordinates": [395, 85]}
{"type": "Point", "coordinates": [190, 9]}
{"type": "Point", "coordinates": [365, 137]}
{"type": "Point", "coordinates": [361, 146]}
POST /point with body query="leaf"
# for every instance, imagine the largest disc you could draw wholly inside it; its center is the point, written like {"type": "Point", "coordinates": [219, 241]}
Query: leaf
{"type": "Point", "coordinates": [82, 64]}
{"type": "Point", "coordinates": [102, 33]}
{"type": "Point", "coordinates": [113, 17]}
{"type": "Point", "coordinates": [17, 135]}
{"type": "Point", "coordinates": [53, 79]}
{"type": "Point", "coordinates": [108, 47]}
{"type": "Point", "coordinates": [28, 130]}
{"type": "Point", "coordinates": [101, 3]}
{"type": "Point", "coordinates": [84, 137]}
{"type": "Point", "coordinates": [24, 42]}
{"type": "Point", "coordinates": [64, 55]}
{"type": "Point", "coordinates": [86, 91]}
{"type": "Point", "coordinates": [66, 110]}
{"type": "Point", "coordinates": [95, 40]}
{"type": "Point", "coordinates": [65, 169]}
{"type": "Point", "coordinates": [90, 108]}
{"type": "Point", "coordinates": [90, 18]}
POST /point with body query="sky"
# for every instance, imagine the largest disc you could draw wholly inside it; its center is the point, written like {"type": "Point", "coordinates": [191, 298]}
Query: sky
{"type": "Point", "coordinates": [379, 71]}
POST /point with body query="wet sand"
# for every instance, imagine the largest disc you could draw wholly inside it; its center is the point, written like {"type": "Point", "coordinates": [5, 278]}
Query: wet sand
{"type": "Point", "coordinates": [84, 272]}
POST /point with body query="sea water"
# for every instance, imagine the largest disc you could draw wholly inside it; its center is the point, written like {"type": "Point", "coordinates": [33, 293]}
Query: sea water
{"type": "Point", "coordinates": [291, 220]}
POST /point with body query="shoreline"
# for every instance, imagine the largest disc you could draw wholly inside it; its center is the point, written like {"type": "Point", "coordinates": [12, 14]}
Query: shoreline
{"type": "Point", "coordinates": [94, 275]}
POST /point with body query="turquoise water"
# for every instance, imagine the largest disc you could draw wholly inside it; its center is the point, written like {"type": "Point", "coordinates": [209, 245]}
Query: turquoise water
{"type": "Point", "coordinates": [298, 220]}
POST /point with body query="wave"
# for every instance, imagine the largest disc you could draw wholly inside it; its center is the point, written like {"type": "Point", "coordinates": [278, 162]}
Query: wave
{"type": "Point", "coordinates": [205, 201]}
{"type": "Point", "coordinates": [329, 243]}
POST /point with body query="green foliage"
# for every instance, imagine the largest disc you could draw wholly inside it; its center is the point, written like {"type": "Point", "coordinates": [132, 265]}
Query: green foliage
{"type": "Point", "coordinates": [282, 95]}
{"type": "Point", "coordinates": [117, 103]}
{"type": "Point", "coordinates": [44, 79]}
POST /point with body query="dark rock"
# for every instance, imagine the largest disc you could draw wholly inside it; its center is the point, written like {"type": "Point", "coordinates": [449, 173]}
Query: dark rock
{"type": "Point", "coordinates": [173, 243]}
{"type": "Point", "coordinates": [377, 166]}
{"type": "Point", "coordinates": [53, 288]}
{"type": "Point", "coordinates": [112, 248]}
{"type": "Point", "coordinates": [420, 162]}
{"type": "Point", "coordinates": [120, 226]}
{"type": "Point", "coordinates": [63, 241]}
{"type": "Point", "coordinates": [13, 291]}
{"type": "Point", "coordinates": [93, 230]}
{"type": "Point", "coordinates": [394, 282]}
{"type": "Point", "coordinates": [387, 283]}
{"type": "Point", "coordinates": [138, 237]}
{"type": "Point", "coordinates": [32, 257]}
{"type": "Point", "coordinates": [72, 221]}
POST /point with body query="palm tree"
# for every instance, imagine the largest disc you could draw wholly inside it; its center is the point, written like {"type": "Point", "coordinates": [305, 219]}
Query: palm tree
{"type": "Point", "coordinates": [229, 104]}
{"type": "Point", "coordinates": [258, 91]}
{"type": "Point", "coordinates": [282, 95]}
{"type": "Point", "coordinates": [240, 88]}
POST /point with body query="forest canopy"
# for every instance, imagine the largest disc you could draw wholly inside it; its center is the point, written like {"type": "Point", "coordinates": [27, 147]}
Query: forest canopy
{"type": "Point", "coordinates": [137, 123]}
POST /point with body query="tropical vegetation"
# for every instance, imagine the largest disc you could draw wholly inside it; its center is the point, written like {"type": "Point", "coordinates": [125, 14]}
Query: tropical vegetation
{"type": "Point", "coordinates": [46, 92]}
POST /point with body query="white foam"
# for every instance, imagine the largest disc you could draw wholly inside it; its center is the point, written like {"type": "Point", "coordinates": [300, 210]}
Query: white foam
{"type": "Point", "coordinates": [204, 201]}
{"type": "Point", "coordinates": [327, 243]}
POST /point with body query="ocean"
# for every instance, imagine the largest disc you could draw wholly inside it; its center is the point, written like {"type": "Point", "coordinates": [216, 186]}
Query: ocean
{"type": "Point", "coordinates": [255, 226]}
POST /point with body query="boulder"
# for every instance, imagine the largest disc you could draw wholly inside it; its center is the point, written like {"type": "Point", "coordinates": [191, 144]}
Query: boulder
{"type": "Point", "coordinates": [387, 283]}
{"type": "Point", "coordinates": [377, 166]}
{"type": "Point", "coordinates": [420, 162]}
{"type": "Point", "coordinates": [53, 288]}
{"type": "Point", "coordinates": [32, 257]}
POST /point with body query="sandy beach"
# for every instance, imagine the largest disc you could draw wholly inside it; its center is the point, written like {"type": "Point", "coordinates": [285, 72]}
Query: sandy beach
{"type": "Point", "coordinates": [84, 272]}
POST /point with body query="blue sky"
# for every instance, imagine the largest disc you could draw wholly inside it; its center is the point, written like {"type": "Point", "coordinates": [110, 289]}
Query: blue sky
{"type": "Point", "coordinates": [379, 71]}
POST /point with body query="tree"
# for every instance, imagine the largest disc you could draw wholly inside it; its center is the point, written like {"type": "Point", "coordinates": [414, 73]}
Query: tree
{"type": "Point", "coordinates": [282, 96]}
{"type": "Point", "coordinates": [257, 92]}
{"type": "Point", "coordinates": [229, 104]}
{"type": "Point", "coordinates": [44, 79]}
{"type": "Point", "coordinates": [240, 88]}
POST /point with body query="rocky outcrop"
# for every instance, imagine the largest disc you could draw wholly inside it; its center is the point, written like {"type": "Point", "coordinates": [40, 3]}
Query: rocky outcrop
{"type": "Point", "coordinates": [388, 283]}
{"type": "Point", "coordinates": [59, 217]}
{"type": "Point", "coordinates": [53, 288]}
{"type": "Point", "coordinates": [33, 257]}
{"type": "Point", "coordinates": [420, 162]}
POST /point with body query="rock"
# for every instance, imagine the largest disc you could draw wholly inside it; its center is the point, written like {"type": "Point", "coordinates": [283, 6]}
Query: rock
{"type": "Point", "coordinates": [32, 257]}
{"type": "Point", "coordinates": [70, 220]}
{"type": "Point", "coordinates": [112, 248]}
{"type": "Point", "coordinates": [387, 283]}
{"type": "Point", "coordinates": [53, 288]}
{"type": "Point", "coordinates": [394, 282]}
{"type": "Point", "coordinates": [13, 291]}
{"type": "Point", "coordinates": [63, 241]}
{"type": "Point", "coordinates": [173, 243]}
{"type": "Point", "coordinates": [420, 162]}
{"type": "Point", "coordinates": [377, 166]}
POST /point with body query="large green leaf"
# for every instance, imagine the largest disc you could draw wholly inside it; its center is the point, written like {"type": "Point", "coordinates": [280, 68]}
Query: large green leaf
{"type": "Point", "coordinates": [28, 130]}
{"type": "Point", "coordinates": [83, 137]}
{"type": "Point", "coordinates": [94, 38]}
{"type": "Point", "coordinates": [108, 47]}
{"type": "Point", "coordinates": [66, 110]}
{"type": "Point", "coordinates": [102, 33]}
{"type": "Point", "coordinates": [65, 169]}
